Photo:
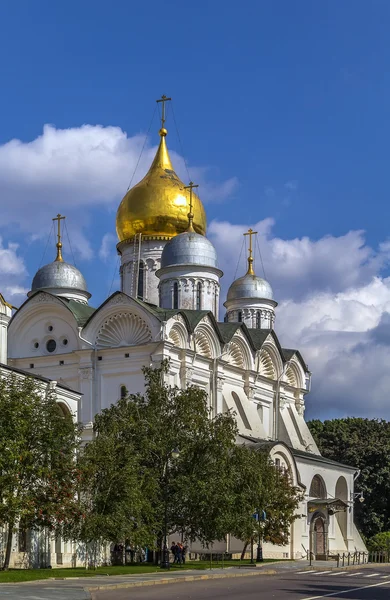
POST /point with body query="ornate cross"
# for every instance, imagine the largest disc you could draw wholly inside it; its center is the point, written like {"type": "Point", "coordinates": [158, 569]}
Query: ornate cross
{"type": "Point", "coordinates": [190, 215]}
{"type": "Point", "coordinates": [59, 218]}
{"type": "Point", "coordinates": [163, 99]}
{"type": "Point", "coordinates": [250, 232]}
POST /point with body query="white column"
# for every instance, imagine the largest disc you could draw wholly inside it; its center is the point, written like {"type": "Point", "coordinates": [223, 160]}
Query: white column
{"type": "Point", "coordinates": [5, 316]}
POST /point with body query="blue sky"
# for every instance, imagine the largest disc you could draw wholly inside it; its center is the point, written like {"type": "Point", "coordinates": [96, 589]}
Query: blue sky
{"type": "Point", "coordinates": [283, 114]}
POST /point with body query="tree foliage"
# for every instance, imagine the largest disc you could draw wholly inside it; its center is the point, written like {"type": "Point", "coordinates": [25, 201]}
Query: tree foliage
{"type": "Point", "coordinates": [131, 485]}
{"type": "Point", "coordinates": [364, 444]}
{"type": "Point", "coordinates": [380, 542]}
{"type": "Point", "coordinates": [37, 457]}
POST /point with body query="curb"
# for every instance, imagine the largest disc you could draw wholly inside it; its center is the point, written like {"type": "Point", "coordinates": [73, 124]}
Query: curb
{"type": "Point", "coordinates": [117, 586]}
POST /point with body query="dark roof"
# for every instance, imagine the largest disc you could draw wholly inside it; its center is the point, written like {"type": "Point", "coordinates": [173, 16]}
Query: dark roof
{"type": "Point", "coordinates": [40, 377]}
{"type": "Point", "coordinates": [258, 336]}
{"type": "Point", "coordinates": [227, 330]}
{"type": "Point", "coordinates": [290, 352]}
{"type": "Point", "coordinates": [321, 459]}
{"type": "Point", "coordinates": [268, 444]}
{"type": "Point", "coordinates": [81, 312]}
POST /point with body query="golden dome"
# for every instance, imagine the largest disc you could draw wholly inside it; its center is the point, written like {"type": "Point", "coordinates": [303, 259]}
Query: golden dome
{"type": "Point", "coordinates": [158, 205]}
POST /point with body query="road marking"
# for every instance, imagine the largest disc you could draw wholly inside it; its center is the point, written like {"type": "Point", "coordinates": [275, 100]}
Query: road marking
{"type": "Point", "coordinates": [324, 572]}
{"type": "Point", "coordinates": [365, 587]}
{"type": "Point", "coordinates": [306, 572]}
{"type": "Point", "coordinates": [340, 573]}
{"type": "Point", "coordinates": [372, 575]}
{"type": "Point", "coordinates": [354, 574]}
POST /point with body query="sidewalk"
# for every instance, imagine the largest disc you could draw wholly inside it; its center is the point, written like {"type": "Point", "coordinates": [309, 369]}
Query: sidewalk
{"type": "Point", "coordinates": [80, 589]}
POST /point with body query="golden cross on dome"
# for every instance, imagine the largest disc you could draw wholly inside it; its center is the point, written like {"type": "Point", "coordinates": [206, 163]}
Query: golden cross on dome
{"type": "Point", "coordinates": [163, 99]}
{"type": "Point", "coordinates": [190, 215]}
{"type": "Point", "coordinates": [59, 218]}
{"type": "Point", "coordinates": [250, 232]}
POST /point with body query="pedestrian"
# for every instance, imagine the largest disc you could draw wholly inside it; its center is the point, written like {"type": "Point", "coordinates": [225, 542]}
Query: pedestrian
{"type": "Point", "coordinates": [179, 553]}
{"type": "Point", "coordinates": [183, 553]}
{"type": "Point", "coordinates": [174, 551]}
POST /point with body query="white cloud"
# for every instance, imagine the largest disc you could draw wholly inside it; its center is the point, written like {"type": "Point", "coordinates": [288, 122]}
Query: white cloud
{"type": "Point", "coordinates": [107, 247]}
{"type": "Point", "coordinates": [12, 273]}
{"type": "Point", "coordinates": [76, 170]}
{"type": "Point", "coordinates": [10, 262]}
{"type": "Point", "coordinates": [334, 306]}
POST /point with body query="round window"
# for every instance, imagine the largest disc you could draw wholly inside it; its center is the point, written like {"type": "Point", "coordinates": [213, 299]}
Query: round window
{"type": "Point", "coordinates": [65, 342]}
{"type": "Point", "coordinates": [50, 328]}
{"type": "Point", "coordinates": [51, 345]}
{"type": "Point", "coordinates": [36, 344]}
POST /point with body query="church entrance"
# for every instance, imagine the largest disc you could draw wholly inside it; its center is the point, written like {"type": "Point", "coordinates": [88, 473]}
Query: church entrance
{"type": "Point", "coordinates": [319, 537]}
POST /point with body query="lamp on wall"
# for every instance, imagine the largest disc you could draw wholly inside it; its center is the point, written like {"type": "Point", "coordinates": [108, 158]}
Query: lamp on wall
{"type": "Point", "coordinates": [357, 496]}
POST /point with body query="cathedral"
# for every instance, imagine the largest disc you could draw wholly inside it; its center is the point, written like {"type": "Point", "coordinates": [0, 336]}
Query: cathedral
{"type": "Point", "coordinates": [168, 307]}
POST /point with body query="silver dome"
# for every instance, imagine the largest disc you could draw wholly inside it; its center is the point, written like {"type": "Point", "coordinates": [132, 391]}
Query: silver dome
{"type": "Point", "coordinates": [250, 286]}
{"type": "Point", "coordinates": [58, 274]}
{"type": "Point", "coordinates": [189, 248]}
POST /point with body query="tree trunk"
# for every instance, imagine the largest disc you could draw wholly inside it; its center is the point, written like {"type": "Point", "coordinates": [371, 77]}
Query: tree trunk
{"type": "Point", "coordinates": [244, 550]}
{"type": "Point", "coordinates": [9, 546]}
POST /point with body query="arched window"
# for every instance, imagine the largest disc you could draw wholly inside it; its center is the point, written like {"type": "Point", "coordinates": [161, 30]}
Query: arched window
{"type": "Point", "coordinates": [140, 287]}
{"type": "Point", "coordinates": [258, 320]}
{"type": "Point", "coordinates": [175, 295]}
{"type": "Point", "coordinates": [123, 391]}
{"type": "Point", "coordinates": [199, 296]}
{"type": "Point", "coordinates": [317, 488]}
{"type": "Point", "coordinates": [239, 316]}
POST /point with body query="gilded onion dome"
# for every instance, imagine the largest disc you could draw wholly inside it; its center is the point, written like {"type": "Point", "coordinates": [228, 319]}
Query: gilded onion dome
{"type": "Point", "coordinates": [157, 206]}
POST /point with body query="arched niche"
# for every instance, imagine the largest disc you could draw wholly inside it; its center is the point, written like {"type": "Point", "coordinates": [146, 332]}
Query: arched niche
{"type": "Point", "coordinates": [123, 329]}
{"type": "Point", "coordinates": [267, 367]}
{"type": "Point", "coordinates": [317, 487]}
{"type": "Point", "coordinates": [64, 409]}
{"type": "Point", "coordinates": [205, 341]}
{"type": "Point", "coordinates": [341, 493]}
{"type": "Point", "coordinates": [239, 353]}
{"type": "Point", "coordinates": [178, 335]}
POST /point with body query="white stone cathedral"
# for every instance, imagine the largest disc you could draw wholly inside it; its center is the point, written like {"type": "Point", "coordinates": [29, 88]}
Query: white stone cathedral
{"type": "Point", "coordinates": [168, 307]}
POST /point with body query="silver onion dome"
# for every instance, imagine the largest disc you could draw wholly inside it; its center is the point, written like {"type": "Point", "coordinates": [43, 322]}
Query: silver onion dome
{"type": "Point", "coordinates": [189, 248]}
{"type": "Point", "coordinates": [59, 274]}
{"type": "Point", "coordinates": [250, 286]}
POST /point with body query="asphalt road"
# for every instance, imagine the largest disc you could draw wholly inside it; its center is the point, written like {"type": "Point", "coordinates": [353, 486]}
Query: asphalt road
{"type": "Point", "coordinates": [366, 584]}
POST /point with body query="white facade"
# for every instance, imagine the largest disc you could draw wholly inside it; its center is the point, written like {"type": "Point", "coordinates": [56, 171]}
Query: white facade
{"type": "Point", "coordinates": [190, 288]}
{"type": "Point", "coordinates": [255, 313]}
{"type": "Point", "coordinates": [241, 369]}
{"type": "Point", "coordinates": [169, 310]}
{"type": "Point", "coordinates": [140, 259]}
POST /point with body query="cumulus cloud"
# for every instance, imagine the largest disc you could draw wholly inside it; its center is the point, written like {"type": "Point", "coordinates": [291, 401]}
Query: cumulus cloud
{"type": "Point", "coordinates": [77, 169]}
{"type": "Point", "coordinates": [12, 272]}
{"type": "Point", "coordinates": [107, 247]}
{"type": "Point", "coordinates": [334, 306]}
{"type": "Point", "coordinates": [298, 266]}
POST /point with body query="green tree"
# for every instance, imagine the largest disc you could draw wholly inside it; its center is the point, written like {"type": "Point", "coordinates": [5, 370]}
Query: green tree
{"type": "Point", "coordinates": [364, 444]}
{"type": "Point", "coordinates": [134, 489]}
{"type": "Point", "coordinates": [260, 487]}
{"type": "Point", "coordinates": [37, 457]}
{"type": "Point", "coordinates": [380, 542]}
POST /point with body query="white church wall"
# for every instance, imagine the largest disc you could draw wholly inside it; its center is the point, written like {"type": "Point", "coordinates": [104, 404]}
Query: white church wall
{"type": "Point", "coordinates": [32, 333]}
{"type": "Point", "coordinates": [150, 255]}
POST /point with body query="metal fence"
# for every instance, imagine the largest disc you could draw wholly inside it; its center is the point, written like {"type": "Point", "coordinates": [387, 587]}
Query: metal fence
{"type": "Point", "coordinates": [347, 559]}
